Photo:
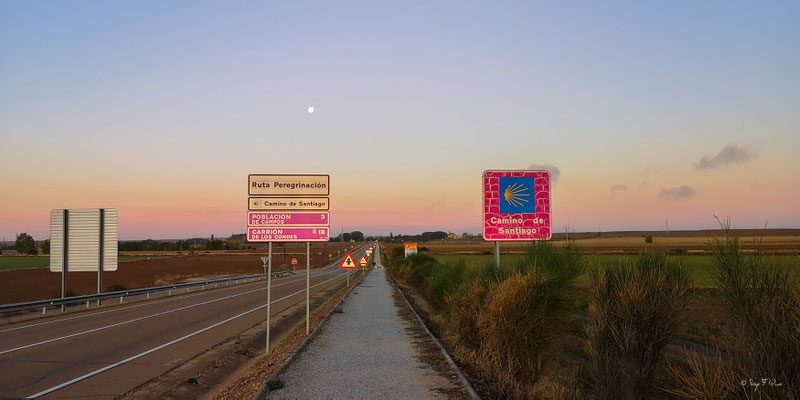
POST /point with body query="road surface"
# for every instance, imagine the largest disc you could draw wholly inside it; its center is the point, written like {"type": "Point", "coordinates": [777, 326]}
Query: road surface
{"type": "Point", "coordinates": [106, 352]}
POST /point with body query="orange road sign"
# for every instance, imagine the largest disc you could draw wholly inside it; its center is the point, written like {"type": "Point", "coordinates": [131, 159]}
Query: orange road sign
{"type": "Point", "coordinates": [363, 261]}
{"type": "Point", "coordinates": [348, 262]}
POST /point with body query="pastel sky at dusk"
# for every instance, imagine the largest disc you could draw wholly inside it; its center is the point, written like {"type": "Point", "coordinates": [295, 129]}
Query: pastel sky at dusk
{"type": "Point", "coordinates": [651, 111]}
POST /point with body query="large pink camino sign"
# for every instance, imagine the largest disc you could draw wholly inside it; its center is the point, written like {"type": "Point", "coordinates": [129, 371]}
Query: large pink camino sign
{"type": "Point", "coordinates": [516, 205]}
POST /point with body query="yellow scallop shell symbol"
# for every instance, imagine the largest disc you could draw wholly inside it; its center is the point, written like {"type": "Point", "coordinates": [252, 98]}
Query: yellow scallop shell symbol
{"type": "Point", "coordinates": [514, 195]}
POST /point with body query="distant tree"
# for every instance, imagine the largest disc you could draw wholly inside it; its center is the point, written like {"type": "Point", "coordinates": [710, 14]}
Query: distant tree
{"type": "Point", "coordinates": [232, 244]}
{"type": "Point", "coordinates": [357, 236]}
{"type": "Point", "coordinates": [648, 239]}
{"type": "Point", "coordinates": [25, 244]}
{"type": "Point", "coordinates": [346, 236]}
{"type": "Point", "coordinates": [46, 246]}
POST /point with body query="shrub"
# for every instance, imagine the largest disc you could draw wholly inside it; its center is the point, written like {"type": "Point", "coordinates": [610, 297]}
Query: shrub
{"type": "Point", "coordinates": [634, 312]}
{"type": "Point", "coordinates": [434, 278]}
{"type": "Point", "coordinates": [465, 305]}
{"type": "Point", "coordinates": [763, 300]}
{"type": "Point", "coordinates": [398, 252]}
{"type": "Point", "coordinates": [275, 384]}
{"type": "Point", "coordinates": [648, 239]}
{"type": "Point", "coordinates": [525, 315]}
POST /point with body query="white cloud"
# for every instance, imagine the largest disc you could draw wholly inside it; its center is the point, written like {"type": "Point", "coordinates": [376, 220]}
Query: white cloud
{"type": "Point", "coordinates": [619, 188]}
{"type": "Point", "coordinates": [677, 192]}
{"type": "Point", "coordinates": [731, 154]}
{"type": "Point", "coordinates": [555, 173]}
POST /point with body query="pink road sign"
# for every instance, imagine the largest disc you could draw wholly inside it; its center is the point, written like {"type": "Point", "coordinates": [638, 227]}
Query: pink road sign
{"type": "Point", "coordinates": [516, 205]}
{"type": "Point", "coordinates": [287, 234]}
{"type": "Point", "coordinates": [280, 218]}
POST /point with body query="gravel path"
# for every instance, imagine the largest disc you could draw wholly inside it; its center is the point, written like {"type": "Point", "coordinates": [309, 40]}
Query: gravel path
{"type": "Point", "coordinates": [373, 349]}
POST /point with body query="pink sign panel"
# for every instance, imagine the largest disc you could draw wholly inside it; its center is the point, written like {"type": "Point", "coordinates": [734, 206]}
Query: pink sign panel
{"type": "Point", "coordinates": [279, 218]}
{"type": "Point", "coordinates": [287, 234]}
{"type": "Point", "coordinates": [516, 205]}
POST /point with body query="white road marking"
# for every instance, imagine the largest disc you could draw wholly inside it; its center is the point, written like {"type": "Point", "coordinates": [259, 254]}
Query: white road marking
{"type": "Point", "coordinates": [140, 319]}
{"type": "Point", "coordinates": [115, 309]}
{"type": "Point", "coordinates": [144, 353]}
{"type": "Point", "coordinates": [161, 301]}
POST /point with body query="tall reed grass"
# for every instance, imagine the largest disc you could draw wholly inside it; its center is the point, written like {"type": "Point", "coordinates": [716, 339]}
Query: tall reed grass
{"type": "Point", "coordinates": [762, 297]}
{"type": "Point", "coordinates": [635, 310]}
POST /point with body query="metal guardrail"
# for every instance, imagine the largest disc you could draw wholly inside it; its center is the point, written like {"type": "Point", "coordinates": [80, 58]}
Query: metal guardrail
{"type": "Point", "coordinates": [43, 304]}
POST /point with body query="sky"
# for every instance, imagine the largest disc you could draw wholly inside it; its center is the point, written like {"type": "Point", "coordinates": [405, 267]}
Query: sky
{"type": "Point", "coordinates": [649, 113]}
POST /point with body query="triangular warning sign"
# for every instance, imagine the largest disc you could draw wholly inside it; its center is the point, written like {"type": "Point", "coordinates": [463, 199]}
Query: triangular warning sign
{"type": "Point", "coordinates": [348, 262]}
{"type": "Point", "coordinates": [363, 261]}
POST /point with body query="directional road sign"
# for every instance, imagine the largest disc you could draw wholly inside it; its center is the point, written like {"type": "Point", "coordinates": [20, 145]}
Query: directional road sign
{"type": "Point", "coordinates": [287, 234]}
{"type": "Point", "coordinates": [348, 262]}
{"type": "Point", "coordinates": [281, 218]}
{"type": "Point", "coordinates": [516, 205]}
{"type": "Point", "coordinates": [288, 203]}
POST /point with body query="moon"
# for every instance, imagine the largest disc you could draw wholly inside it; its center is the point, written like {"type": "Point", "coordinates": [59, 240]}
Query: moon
{"type": "Point", "coordinates": [310, 110]}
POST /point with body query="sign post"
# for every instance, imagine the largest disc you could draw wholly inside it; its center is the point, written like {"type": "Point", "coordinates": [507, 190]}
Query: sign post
{"type": "Point", "coordinates": [516, 207]}
{"type": "Point", "coordinates": [289, 208]}
{"type": "Point", "coordinates": [308, 287]}
{"type": "Point", "coordinates": [348, 263]}
{"type": "Point", "coordinates": [269, 289]}
{"type": "Point", "coordinates": [65, 258]}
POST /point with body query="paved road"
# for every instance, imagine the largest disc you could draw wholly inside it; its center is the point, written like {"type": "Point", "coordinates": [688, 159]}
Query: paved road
{"type": "Point", "coordinates": [373, 349]}
{"type": "Point", "coordinates": [104, 353]}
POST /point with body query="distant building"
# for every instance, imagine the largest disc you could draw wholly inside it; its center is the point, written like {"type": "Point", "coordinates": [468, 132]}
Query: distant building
{"type": "Point", "coordinates": [451, 236]}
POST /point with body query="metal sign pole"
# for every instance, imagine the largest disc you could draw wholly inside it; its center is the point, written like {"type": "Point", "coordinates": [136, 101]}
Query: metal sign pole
{"type": "Point", "coordinates": [64, 259]}
{"type": "Point", "coordinates": [269, 294]}
{"type": "Point", "coordinates": [308, 284]}
{"type": "Point", "coordinates": [100, 259]}
{"type": "Point", "coordinates": [348, 277]}
{"type": "Point", "coordinates": [497, 254]}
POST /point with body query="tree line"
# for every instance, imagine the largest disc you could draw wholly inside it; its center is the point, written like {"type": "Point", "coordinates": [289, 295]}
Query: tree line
{"type": "Point", "coordinates": [25, 244]}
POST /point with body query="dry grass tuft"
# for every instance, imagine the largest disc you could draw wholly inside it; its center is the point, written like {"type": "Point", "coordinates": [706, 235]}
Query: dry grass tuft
{"type": "Point", "coordinates": [465, 305]}
{"type": "Point", "coordinates": [634, 312]}
{"type": "Point", "coordinates": [702, 377]}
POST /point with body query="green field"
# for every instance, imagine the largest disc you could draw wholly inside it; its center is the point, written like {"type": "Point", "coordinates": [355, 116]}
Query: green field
{"type": "Point", "coordinates": [24, 262]}
{"type": "Point", "coordinates": [699, 266]}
